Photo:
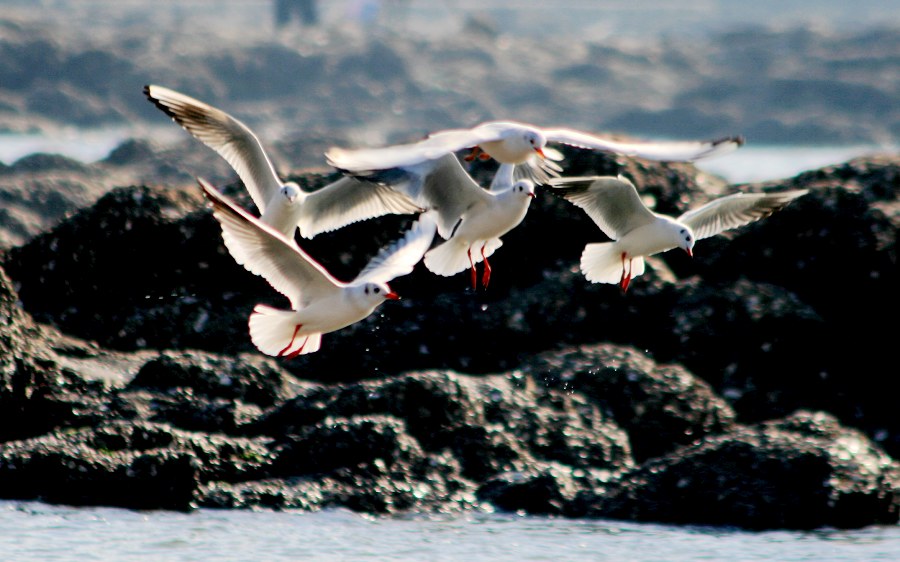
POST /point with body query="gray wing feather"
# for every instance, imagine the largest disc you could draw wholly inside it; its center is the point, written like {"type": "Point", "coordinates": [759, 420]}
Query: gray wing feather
{"type": "Point", "coordinates": [362, 160]}
{"type": "Point", "coordinates": [734, 211]}
{"type": "Point", "coordinates": [267, 253]}
{"type": "Point", "coordinates": [611, 202]}
{"type": "Point", "coordinates": [667, 151]}
{"type": "Point", "coordinates": [450, 191]}
{"type": "Point", "coordinates": [350, 200]}
{"type": "Point", "coordinates": [226, 135]}
{"type": "Point", "coordinates": [402, 256]}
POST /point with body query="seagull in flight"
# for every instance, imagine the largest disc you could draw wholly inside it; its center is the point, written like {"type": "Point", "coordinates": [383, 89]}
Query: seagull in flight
{"type": "Point", "coordinates": [614, 205]}
{"type": "Point", "coordinates": [511, 142]}
{"type": "Point", "coordinates": [470, 218]}
{"type": "Point", "coordinates": [284, 206]}
{"type": "Point", "coordinates": [319, 303]}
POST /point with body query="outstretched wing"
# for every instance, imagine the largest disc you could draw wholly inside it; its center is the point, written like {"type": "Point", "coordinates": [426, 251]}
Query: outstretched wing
{"type": "Point", "coordinates": [229, 137]}
{"type": "Point", "coordinates": [611, 202]}
{"type": "Point", "coordinates": [264, 251]}
{"type": "Point", "coordinates": [350, 200]}
{"type": "Point", "coordinates": [667, 151]}
{"type": "Point", "coordinates": [735, 210]}
{"type": "Point", "coordinates": [441, 185]}
{"type": "Point", "coordinates": [364, 160]}
{"type": "Point", "coordinates": [402, 256]}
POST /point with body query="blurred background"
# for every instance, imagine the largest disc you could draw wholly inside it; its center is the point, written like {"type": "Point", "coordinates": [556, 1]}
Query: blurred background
{"type": "Point", "coordinates": [305, 74]}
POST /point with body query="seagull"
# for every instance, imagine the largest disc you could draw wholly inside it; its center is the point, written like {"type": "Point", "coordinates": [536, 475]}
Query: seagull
{"type": "Point", "coordinates": [511, 142]}
{"type": "Point", "coordinates": [636, 231]}
{"type": "Point", "coordinates": [282, 205]}
{"type": "Point", "coordinates": [468, 216]}
{"type": "Point", "coordinates": [319, 303]}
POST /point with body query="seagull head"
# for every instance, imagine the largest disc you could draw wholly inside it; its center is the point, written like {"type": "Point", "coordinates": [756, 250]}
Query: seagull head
{"type": "Point", "coordinates": [686, 239]}
{"type": "Point", "coordinates": [536, 141]}
{"type": "Point", "coordinates": [525, 187]}
{"type": "Point", "coordinates": [290, 191]}
{"type": "Point", "coordinates": [378, 292]}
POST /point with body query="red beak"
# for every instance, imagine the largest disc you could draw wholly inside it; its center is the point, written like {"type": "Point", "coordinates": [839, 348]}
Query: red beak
{"type": "Point", "coordinates": [689, 252]}
{"type": "Point", "coordinates": [540, 151]}
{"type": "Point", "coordinates": [393, 296]}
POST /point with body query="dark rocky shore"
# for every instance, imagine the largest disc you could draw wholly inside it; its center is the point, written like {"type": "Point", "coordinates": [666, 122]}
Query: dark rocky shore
{"type": "Point", "coordinates": [751, 386]}
{"type": "Point", "coordinates": [746, 387]}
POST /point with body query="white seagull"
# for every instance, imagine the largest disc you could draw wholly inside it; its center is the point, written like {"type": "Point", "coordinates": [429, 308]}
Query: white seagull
{"type": "Point", "coordinates": [636, 231]}
{"type": "Point", "coordinates": [320, 303]}
{"type": "Point", "coordinates": [282, 205]}
{"type": "Point", "coordinates": [511, 142]}
{"type": "Point", "coordinates": [468, 216]}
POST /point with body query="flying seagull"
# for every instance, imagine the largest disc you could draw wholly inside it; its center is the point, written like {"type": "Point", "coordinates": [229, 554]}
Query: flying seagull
{"type": "Point", "coordinates": [471, 219]}
{"type": "Point", "coordinates": [511, 142]}
{"type": "Point", "coordinates": [285, 206]}
{"type": "Point", "coordinates": [636, 231]}
{"type": "Point", "coordinates": [319, 303]}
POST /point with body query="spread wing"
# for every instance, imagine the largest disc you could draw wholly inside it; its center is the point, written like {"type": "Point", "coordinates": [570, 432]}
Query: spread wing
{"type": "Point", "coordinates": [350, 200]}
{"type": "Point", "coordinates": [229, 137]}
{"type": "Point", "coordinates": [735, 210]}
{"type": "Point", "coordinates": [504, 178]}
{"type": "Point", "coordinates": [611, 202]}
{"type": "Point", "coordinates": [267, 253]}
{"type": "Point", "coordinates": [667, 151]}
{"type": "Point", "coordinates": [363, 160]}
{"type": "Point", "coordinates": [402, 256]}
{"type": "Point", "coordinates": [441, 185]}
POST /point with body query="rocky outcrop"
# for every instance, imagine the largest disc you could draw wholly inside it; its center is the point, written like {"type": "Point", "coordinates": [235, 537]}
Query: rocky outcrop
{"type": "Point", "coordinates": [800, 472]}
{"type": "Point", "coordinates": [725, 382]}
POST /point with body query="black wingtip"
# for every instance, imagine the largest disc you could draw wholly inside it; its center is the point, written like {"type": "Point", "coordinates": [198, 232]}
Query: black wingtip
{"type": "Point", "coordinates": [736, 139]}
{"type": "Point", "coordinates": [162, 107]}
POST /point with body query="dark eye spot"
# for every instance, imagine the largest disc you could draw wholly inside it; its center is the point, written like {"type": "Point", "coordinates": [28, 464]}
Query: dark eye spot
{"type": "Point", "coordinates": [367, 290]}
{"type": "Point", "coordinates": [377, 290]}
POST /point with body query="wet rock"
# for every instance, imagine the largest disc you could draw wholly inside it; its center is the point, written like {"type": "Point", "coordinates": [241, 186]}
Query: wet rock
{"type": "Point", "coordinates": [142, 467]}
{"type": "Point", "coordinates": [803, 472]}
{"type": "Point", "coordinates": [249, 378]}
{"type": "Point", "coordinates": [661, 407]}
{"type": "Point", "coordinates": [129, 302]}
{"type": "Point", "coordinates": [491, 424]}
{"type": "Point", "coordinates": [37, 394]}
{"type": "Point", "coordinates": [545, 490]}
{"type": "Point", "coordinates": [346, 442]}
{"type": "Point", "coordinates": [364, 463]}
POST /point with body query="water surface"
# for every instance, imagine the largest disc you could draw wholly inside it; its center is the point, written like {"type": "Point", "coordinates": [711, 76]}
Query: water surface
{"type": "Point", "coordinates": [31, 531]}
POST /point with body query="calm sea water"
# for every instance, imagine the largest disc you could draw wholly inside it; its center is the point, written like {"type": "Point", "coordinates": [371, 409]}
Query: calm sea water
{"type": "Point", "coordinates": [32, 531]}
{"type": "Point", "coordinates": [38, 532]}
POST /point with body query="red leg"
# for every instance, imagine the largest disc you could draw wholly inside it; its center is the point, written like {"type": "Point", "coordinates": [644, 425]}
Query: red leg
{"type": "Point", "coordinates": [484, 156]}
{"type": "Point", "coordinates": [294, 354]}
{"type": "Point", "coordinates": [472, 267]}
{"type": "Point", "coordinates": [290, 345]}
{"type": "Point", "coordinates": [626, 279]}
{"type": "Point", "coordinates": [486, 277]}
{"type": "Point", "coordinates": [476, 150]}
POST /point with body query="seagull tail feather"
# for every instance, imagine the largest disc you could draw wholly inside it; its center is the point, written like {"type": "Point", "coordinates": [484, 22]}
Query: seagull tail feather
{"type": "Point", "coordinates": [275, 333]}
{"type": "Point", "coordinates": [451, 257]}
{"type": "Point", "coordinates": [602, 263]}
